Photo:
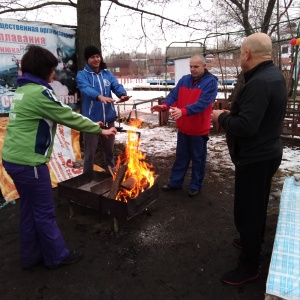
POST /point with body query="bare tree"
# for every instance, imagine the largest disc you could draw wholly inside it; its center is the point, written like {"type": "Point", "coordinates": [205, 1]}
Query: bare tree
{"type": "Point", "coordinates": [152, 19]}
{"type": "Point", "coordinates": [90, 23]}
{"type": "Point", "coordinates": [253, 15]}
{"type": "Point", "coordinates": [88, 29]}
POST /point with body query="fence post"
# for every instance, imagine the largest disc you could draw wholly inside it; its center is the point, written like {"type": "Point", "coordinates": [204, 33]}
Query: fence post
{"type": "Point", "coordinates": [163, 116]}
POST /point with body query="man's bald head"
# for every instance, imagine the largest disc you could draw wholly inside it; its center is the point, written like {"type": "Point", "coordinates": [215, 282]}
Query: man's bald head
{"type": "Point", "coordinates": [198, 57]}
{"type": "Point", "coordinates": [255, 49]}
{"type": "Point", "coordinates": [197, 65]}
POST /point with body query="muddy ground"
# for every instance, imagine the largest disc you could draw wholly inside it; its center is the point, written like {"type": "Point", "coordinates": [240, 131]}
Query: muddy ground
{"type": "Point", "coordinates": [176, 250]}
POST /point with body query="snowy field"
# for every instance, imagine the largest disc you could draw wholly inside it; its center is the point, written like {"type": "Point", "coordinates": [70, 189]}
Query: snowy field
{"type": "Point", "coordinates": [161, 141]}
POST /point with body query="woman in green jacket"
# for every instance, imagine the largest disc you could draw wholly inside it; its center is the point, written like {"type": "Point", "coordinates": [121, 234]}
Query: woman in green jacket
{"type": "Point", "coordinates": [35, 112]}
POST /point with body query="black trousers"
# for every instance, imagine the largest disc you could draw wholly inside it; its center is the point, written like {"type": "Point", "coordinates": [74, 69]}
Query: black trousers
{"type": "Point", "coordinates": [252, 190]}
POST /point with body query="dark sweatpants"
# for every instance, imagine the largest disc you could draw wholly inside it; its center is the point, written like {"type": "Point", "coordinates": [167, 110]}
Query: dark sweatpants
{"type": "Point", "coordinates": [252, 190]}
{"type": "Point", "coordinates": [40, 237]}
{"type": "Point", "coordinates": [91, 141]}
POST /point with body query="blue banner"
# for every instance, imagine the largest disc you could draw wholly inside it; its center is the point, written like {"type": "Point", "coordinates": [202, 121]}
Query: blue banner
{"type": "Point", "coordinates": [15, 36]}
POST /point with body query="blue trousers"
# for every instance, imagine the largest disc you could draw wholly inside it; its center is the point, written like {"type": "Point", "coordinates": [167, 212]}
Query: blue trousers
{"type": "Point", "coordinates": [189, 148]}
{"type": "Point", "coordinates": [40, 237]}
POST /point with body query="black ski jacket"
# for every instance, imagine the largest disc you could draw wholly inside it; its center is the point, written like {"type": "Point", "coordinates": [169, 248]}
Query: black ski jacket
{"type": "Point", "coordinates": [254, 124]}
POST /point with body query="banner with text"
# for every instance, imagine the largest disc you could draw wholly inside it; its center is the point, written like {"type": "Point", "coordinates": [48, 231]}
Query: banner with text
{"type": "Point", "coordinates": [66, 152]}
{"type": "Point", "coordinates": [15, 36]}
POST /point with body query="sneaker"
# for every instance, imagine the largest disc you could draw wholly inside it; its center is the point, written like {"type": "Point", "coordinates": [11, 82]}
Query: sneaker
{"type": "Point", "coordinates": [237, 243]}
{"type": "Point", "coordinates": [72, 258]}
{"type": "Point", "coordinates": [168, 187]}
{"type": "Point", "coordinates": [193, 193]}
{"type": "Point", "coordinates": [239, 276]}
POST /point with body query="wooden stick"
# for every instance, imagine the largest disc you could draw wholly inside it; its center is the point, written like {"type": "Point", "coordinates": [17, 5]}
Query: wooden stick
{"type": "Point", "coordinates": [116, 184]}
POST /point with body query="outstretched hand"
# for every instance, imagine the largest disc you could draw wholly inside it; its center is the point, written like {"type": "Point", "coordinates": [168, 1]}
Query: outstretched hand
{"type": "Point", "coordinates": [109, 131]}
{"type": "Point", "coordinates": [105, 100]}
{"type": "Point", "coordinates": [158, 108]}
{"type": "Point", "coordinates": [123, 99]}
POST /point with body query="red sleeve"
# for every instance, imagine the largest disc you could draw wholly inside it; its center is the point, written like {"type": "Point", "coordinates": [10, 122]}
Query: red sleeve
{"type": "Point", "coordinates": [184, 111]}
{"type": "Point", "coordinates": [166, 106]}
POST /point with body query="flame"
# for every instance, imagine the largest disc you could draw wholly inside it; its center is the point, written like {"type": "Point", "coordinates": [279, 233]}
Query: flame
{"type": "Point", "coordinates": [138, 170]}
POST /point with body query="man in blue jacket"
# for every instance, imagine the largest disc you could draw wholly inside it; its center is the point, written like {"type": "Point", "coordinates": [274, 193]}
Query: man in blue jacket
{"type": "Point", "coordinates": [96, 85]}
{"type": "Point", "coordinates": [253, 128]}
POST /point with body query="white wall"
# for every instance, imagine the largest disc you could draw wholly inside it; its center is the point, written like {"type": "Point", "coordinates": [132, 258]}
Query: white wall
{"type": "Point", "coordinates": [182, 67]}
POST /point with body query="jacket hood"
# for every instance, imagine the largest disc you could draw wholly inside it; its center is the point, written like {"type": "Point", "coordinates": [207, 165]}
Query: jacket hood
{"type": "Point", "coordinates": [29, 78]}
{"type": "Point", "coordinates": [208, 74]}
{"type": "Point", "coordinates": [88, 69]}
{"type": "Point", "coordinates": [205, 75]}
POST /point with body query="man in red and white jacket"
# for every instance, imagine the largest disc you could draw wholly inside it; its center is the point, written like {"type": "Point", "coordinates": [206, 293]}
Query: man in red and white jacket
{"type": "Point", "coordinates": [190, 104]}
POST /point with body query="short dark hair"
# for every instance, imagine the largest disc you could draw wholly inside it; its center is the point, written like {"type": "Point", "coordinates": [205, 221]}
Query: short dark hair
{"type": "Point", "coordinates": [38, 61]}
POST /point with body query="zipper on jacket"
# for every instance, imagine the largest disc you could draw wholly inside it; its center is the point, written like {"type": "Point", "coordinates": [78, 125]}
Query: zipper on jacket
{"type": "Point", "coordinates": [104, 114]}
{"type": "Point", "coordinates": [100, 86]}
{"type": "Point", "coordinates": [103, 83]}
{"type": "Point", "coordinates": [90, 109]}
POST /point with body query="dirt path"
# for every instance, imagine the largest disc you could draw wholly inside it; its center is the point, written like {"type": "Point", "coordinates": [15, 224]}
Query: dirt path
{"type": "Point", "coordinates": [177, 250]}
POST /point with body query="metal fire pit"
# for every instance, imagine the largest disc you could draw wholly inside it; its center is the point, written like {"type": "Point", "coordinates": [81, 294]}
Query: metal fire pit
{"type": "Point", "coordinates": [91, 190]}
{"type": "Point", "coordinates": [126, 210]}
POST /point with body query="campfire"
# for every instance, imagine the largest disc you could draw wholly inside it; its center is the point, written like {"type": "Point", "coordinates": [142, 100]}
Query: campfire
{"type": "Point", "coordinates": [127, 193]}
{"type": "Point", "coordinates": [133, 174]}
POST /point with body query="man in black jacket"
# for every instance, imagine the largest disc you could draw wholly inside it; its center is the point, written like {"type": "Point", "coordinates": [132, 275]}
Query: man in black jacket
{"type": "Point", "coordinates": [253, 128]}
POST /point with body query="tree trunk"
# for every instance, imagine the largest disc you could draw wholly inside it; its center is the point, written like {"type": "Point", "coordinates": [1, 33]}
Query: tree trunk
{"type": "Point", "coordinates": [88, 28]}
{"type": "Point", "coordinates": [88, 31]}
{"type": "Point", "coordinates": [288, 75]}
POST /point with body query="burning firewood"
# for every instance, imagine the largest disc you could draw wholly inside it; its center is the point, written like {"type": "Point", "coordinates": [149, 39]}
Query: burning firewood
{"type": "Point", "coordinates": [139, 175]}
{"type": "Point", "coordinates": [116, 184]}
{"type": "Point", "coordinates": [129, 183]}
